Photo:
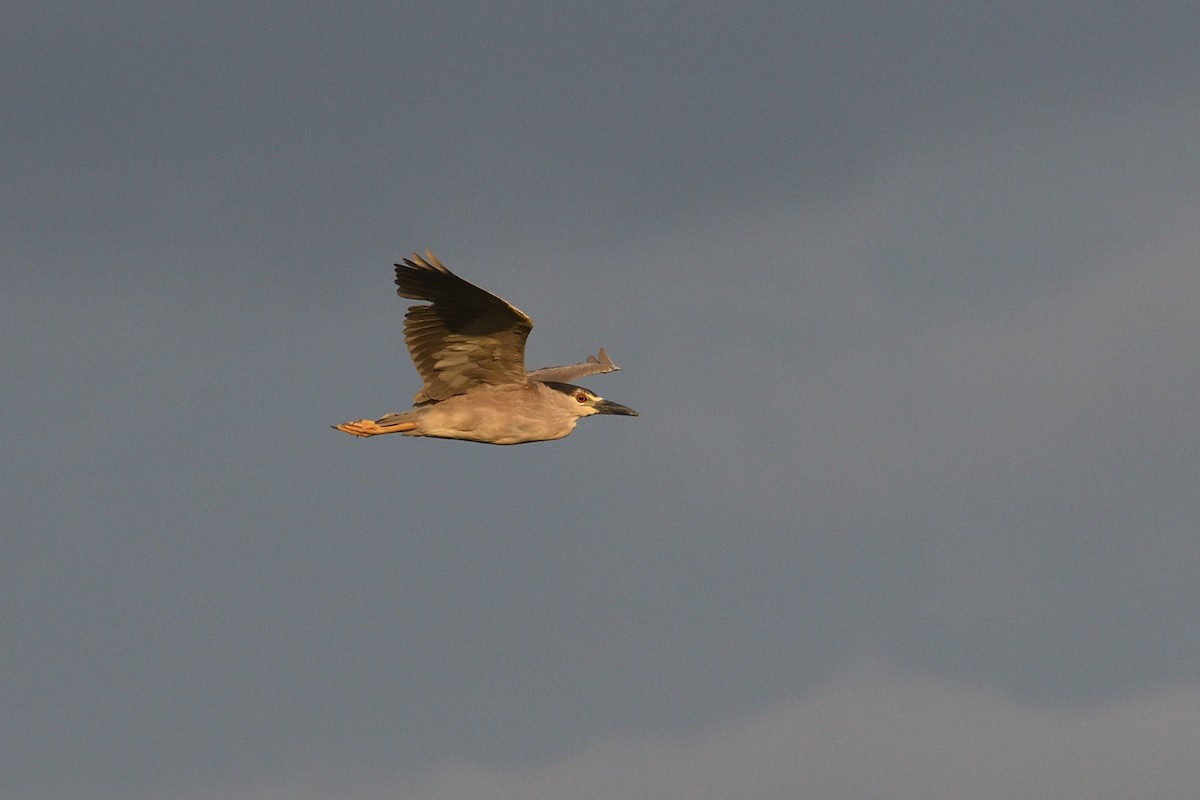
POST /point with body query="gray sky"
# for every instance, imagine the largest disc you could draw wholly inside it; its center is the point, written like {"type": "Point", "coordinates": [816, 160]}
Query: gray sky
{"type": "Point", "coordinates": [907, 301]}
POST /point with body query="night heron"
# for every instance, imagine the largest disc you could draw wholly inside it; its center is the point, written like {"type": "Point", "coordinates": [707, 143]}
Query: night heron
{"type": "Point", "coordinates": [469, 347]}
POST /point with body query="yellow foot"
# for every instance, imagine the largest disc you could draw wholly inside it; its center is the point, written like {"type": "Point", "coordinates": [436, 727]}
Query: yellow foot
{"type": "Point", "coordinates": [365, 427]}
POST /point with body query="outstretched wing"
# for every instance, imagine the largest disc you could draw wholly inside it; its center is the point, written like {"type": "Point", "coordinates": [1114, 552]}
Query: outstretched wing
{"type": "Point", "coordinates": [465, 337]}
{"type": "Point", "coordinates": [593, 366]}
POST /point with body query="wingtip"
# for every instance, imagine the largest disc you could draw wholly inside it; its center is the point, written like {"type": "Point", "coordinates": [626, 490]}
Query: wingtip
{"type": "Point", "coordinates": [606, 362]}
{"type": "Point", "coordinates": [415, 261]}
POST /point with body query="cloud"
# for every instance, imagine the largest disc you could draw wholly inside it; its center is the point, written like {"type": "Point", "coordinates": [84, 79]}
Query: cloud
{"type": "Point", "coordinates": [997, 462]}
{"type": "Point", "coordinates": [916, 368]}
{"type": "Point", "coordinates": [871, 733]}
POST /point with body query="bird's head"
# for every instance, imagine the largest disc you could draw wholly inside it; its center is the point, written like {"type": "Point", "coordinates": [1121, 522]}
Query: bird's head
{"type": "Point", "coordinates": [584, 402]}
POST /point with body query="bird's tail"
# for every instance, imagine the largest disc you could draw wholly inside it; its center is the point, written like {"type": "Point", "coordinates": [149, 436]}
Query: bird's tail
{"type": "Point", "coordinates": [388, 423]}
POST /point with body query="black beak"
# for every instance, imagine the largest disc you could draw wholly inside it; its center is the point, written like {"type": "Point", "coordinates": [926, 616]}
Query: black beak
{"type": "Point", "coordinates": [609, 407]}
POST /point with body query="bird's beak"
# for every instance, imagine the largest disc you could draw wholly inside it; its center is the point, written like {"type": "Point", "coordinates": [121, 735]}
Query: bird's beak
{"type": "Point", "coordinates": [609, 407]}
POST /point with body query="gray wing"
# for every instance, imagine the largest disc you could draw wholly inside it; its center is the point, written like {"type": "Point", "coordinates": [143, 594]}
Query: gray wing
{"type": "Point", "coordinates": [465, 337]}
{"type": "Point", "coordinates": [593, 366]}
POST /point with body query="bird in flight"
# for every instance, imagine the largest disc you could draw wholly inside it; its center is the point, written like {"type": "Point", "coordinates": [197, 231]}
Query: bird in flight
{"type": "Point", "coordinates": [469, 347]}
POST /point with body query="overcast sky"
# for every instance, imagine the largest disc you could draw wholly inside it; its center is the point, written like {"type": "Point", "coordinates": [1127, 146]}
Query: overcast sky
{"type": "Point", "coordinates": [908, 302]}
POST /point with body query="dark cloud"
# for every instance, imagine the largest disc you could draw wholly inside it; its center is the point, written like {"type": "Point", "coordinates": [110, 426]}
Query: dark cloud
{"type": "Point", "coordinates": [906, 303]}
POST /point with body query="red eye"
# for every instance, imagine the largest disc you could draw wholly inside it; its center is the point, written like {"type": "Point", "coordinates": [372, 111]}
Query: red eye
{"type": "Point", "coordinates": [581, 397]}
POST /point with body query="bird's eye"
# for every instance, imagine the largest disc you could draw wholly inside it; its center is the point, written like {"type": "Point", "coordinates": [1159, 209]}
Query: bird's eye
{"type": "Point", "coordinates": [581, 397]}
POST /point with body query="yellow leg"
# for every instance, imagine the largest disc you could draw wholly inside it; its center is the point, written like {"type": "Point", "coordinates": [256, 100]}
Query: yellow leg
{"type": "Point", "coordinates": [365, 427]}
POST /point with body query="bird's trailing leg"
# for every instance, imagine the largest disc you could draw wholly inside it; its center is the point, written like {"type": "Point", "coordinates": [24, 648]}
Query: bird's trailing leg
{"type": "Point", "coordinates": [392, 423]}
